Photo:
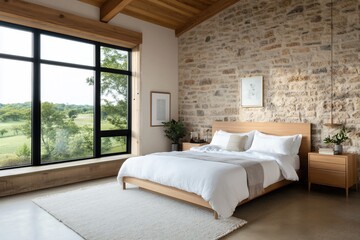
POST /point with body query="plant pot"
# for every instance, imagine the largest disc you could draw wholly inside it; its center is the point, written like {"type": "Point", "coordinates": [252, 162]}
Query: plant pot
{"type": "Point", "coordinates": [174, 147]}
{"type": "Point", "coordinates": [338, 149]}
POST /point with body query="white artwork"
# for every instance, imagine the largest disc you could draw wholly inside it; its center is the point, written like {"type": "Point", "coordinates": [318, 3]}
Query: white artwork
{"type": "Point", "coordinates": [252, 91]}
{"type": "Point", "coordinates": [160, 108]}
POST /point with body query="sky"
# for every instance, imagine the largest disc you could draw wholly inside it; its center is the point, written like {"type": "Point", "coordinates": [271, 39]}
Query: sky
{"type": "Point", "coordinates": [58, 84]}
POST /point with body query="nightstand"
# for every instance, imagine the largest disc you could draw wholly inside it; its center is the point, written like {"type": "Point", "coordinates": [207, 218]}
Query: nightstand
{"type": "Point", "coordinates": [188, 145]}
{"type": "Point", "coordinates": [333, 170]}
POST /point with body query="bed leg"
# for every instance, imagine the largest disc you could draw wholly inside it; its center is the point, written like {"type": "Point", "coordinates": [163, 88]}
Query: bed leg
{"type": "Point", "coordinates": [216, 216]}
{"type": "Point", "coordinates": [124, 186]}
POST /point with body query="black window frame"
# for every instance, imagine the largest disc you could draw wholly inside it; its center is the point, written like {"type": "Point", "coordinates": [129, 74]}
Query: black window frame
{"type": "Point", "coordinates": [36, 91]}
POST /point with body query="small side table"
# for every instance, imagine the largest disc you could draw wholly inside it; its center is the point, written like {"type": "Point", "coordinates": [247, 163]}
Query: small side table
{"type": "Point", "coordinates": [333, 170]}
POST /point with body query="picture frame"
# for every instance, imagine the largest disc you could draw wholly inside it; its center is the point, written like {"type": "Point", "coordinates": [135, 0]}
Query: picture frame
{"type": "Point", "coordinates": [252, 92]}
{"type": "Point", "coordinates": [160, 107]}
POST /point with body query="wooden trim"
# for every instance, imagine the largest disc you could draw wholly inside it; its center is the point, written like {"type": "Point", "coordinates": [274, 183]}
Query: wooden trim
{"type": "Point", "coordinates": [190, 197]}
{"type": "Point", "coordinates": [204, 15]}
{"type": "Point", "coordinates": [269, 189]}
{"type": "Point", "coordinates": [168, 191]}
{"type": "Point", "coordinates": [111, 8]}
{"type": "Point", "coordinates": [36, 16]}
{"type": "Point", "coordinates": [15, 181]}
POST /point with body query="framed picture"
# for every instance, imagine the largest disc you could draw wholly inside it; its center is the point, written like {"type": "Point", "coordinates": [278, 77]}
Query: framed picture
{"type": "Point", "coordinates": [252, 91]}
{"type": "Point", "coordinates": [159, 108]}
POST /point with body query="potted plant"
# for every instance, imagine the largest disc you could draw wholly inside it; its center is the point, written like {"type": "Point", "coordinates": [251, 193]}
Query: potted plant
{"type": "Point", "coordinates": [338, 139]}
{"type": "Point", "coordinates": [174, 130]}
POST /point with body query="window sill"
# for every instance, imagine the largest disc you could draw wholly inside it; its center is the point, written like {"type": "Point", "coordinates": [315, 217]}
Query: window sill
{"type": "Point", "coordinates": [19, 180]}
{"type": "Point", "coordinates": [57, 166]}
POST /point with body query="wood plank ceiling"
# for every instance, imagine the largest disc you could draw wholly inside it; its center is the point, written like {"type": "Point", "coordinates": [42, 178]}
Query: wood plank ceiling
{"type": "Point", "coordinates": [180, 15]}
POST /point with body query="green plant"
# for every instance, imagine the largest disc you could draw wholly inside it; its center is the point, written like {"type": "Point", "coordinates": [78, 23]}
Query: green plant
{"type": "Point", "coordinates": [338, 138]}
{"type": "Point", "coordinates": [24, 152]}
{"type": "Point", "coordinates": [174, 130]}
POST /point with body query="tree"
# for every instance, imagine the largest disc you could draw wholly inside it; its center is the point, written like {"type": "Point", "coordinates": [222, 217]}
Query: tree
{"type": "Point", "coordinates": [14, 112]}
{"type": "Point", "coordinates": [3, 132]}
{"type": "Point", "coordinates": [73, 114]}
{"type": "Point", "coordinates": [56, 131]}
{"type": "Point", "coordinates": [82, 144]}
{"type": "Point", "coordinates": [114, 88]}
{"type": "Point", "coordinates": [23, 152]}
{"type": "Point", "coordinates": [16, 129]}
{"type": "Point", "coordinates": [51, 121]}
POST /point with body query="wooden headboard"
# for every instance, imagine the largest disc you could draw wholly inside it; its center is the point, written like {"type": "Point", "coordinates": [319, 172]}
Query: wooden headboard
{"type": "Point", "coordinates": [273, 128]}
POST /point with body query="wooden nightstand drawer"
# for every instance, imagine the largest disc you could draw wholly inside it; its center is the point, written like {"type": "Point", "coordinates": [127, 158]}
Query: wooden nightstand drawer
{"type": "Point", "coordinates": [328, 159]}
{"type": "Point", "coordinates": [333, 170]}
{"type": "Point", "coordinates": [327, 166]}
{"type": "Point", "coordinates": [330, 178]}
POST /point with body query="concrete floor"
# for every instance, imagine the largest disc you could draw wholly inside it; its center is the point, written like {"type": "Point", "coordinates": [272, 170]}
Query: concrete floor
{"type": "Point", "coordinates": [288, 213]}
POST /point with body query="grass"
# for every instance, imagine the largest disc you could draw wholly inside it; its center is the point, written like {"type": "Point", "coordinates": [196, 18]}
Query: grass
{"type": "Point", "coordinates": [87, 120]}
{"type": "Point", "coordinates": [10, 143]}
{"type": "Point", "coordinates": [9, 125]}
{"type": "Point", "coordinates": [11, 160]}
{"type": "Point", "coordinates": [84, 119]}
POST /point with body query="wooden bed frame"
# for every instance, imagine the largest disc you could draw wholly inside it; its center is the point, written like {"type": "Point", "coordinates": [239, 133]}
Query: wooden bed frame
{"type": "Point", "coordinates": [273, 128]}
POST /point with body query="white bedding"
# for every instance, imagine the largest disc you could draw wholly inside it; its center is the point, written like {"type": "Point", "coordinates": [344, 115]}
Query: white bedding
{"type": "Point", "coordinates": [223, 185]}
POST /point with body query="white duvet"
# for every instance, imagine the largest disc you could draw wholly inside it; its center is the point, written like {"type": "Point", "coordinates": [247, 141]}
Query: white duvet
{"type": "Point", "coordinates": [223, 185]}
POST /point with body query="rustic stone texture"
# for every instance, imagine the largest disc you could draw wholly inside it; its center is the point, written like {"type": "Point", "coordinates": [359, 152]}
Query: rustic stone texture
{"type": "Point", "coordinates": [288, 43]}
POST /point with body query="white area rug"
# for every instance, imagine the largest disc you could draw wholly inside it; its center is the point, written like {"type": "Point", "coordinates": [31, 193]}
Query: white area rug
{"type": "Point", "coordinates": [108, 212]}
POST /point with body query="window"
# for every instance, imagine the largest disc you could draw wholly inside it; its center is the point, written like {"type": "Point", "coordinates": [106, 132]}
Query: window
{"type": "Point", "coordinates": [15, 113]}
{"type": "Point", "coordinates": [66, 113]}
{"type": "Point", "coordinates": [61, 98]}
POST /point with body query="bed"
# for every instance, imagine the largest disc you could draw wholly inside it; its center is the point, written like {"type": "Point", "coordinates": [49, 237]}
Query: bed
{"type": "Point", "coordinates": [182, 188]}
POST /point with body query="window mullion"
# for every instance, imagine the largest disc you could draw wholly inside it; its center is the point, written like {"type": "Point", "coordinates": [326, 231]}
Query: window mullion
{"type": "Point", "coordinates": [36, 103]}
{"type": "Point", "coordinates": [97, 100]}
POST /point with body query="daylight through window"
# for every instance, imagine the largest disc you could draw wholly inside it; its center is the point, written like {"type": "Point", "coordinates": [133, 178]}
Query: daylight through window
{"type": "Point", "coordinates": [61, 98]}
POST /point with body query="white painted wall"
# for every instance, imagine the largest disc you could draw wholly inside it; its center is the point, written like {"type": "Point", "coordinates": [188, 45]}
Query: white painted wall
{"type": "Point", "coordinates": [159, 67]}
{"type": "Point", "coordinates": [159, 72]}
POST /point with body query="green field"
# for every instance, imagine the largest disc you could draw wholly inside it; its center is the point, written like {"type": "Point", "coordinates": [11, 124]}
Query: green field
{"type": "Point", "coordinates": [84, 119]}
{"type": "Point", "coordinates": [9, 145]}
{"type": "Point", "coordinates": [11, 141]}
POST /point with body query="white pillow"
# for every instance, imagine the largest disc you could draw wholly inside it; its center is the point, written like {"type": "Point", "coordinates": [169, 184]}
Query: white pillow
{"type": "Point", "coordinates": [288, 145]}
{"type": "Point", "coordinates": [296, 144]}
{"type": "Point", "coordinates": [250, 137]}
{"type": "Point", "coordinates": [221, 138]}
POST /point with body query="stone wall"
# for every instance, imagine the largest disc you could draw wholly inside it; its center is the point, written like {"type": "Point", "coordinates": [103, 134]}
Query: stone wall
{"type": "Point", "coordinates": [288, 43]}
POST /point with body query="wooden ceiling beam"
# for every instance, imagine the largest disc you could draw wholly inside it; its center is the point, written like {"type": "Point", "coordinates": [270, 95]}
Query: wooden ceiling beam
{"type": "Point", "coordinates": [151, 17]}
{"type": "Point", "coordinates": [183, 6]}
{"type": "Point", "coordinates": [111, 8]}
{"type": "Point", "coordinates": [36, 16]}
{"type": "Point", "coordinates": [148, 8]}
{"type": "Point", "coordinates": [172, 8]}
{"type": "Point", "coordinates": [204, 15]}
